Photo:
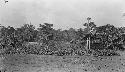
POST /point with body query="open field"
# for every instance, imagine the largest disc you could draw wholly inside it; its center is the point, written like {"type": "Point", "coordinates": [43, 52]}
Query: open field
{"type": "Point", "coordinates": [37, 63]}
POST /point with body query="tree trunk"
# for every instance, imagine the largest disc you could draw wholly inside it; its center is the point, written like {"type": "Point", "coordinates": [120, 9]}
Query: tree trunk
{"type": "Point", "coordinates": [87, 45]}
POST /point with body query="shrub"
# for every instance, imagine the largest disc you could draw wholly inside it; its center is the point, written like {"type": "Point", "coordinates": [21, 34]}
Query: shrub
{"type": "Point", "coordinates": [32, 49]}
{"type": "Point", "coordinates": [105, 53]}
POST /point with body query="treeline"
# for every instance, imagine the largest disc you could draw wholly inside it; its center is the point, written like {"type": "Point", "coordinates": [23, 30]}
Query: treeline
{"type": "Point", "coordinates": [105, 40]}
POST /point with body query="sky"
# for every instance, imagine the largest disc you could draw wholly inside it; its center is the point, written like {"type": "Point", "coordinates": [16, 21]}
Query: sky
{"type": "Point", "coordinates": [64, 14]}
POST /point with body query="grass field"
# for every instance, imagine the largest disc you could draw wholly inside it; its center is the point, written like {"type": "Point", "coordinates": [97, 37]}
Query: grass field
{"type": "Point", "coordinates": [44, 63]}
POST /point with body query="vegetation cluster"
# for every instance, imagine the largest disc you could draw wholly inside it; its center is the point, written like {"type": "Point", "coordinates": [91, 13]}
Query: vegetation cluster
{"type": "Point", "coordinates": [105, 40]}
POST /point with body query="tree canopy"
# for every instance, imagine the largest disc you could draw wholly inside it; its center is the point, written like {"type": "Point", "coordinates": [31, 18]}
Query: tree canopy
{"type": "Point", "coordinates": [106, 37]}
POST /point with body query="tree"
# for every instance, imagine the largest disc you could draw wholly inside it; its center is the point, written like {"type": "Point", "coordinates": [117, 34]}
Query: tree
{"type": "Point", "coordinates": [89, 30]}
{"type": "Point", "coordinates": [26, 33]}
{"type": "Point", "coordinates": [8, 41]}
{"type": "Point", "coordinates": [46, 35]}
{"type": "Point", "coordinates": [45, 31]}
{"type": "Point", "coordinates": [109, 36]}
{"type": "Point", "coordinates": [58, 35]}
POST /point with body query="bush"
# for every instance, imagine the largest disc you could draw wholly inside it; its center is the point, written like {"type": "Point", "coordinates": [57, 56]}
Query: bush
{"type": "Point", "coordinates": [32, 49]}
{"type": "Point", "coordinates": [59, 53]}
{"type": "Point", "coordinates": [55, 48]}
{"type": "Point", "coordinates": [79, 52]}
{"type": "Point", "coordinates": [105, 53]}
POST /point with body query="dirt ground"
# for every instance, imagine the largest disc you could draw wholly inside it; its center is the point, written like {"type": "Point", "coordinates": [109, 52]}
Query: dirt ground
{"type": "Point", "coordinates": [41, 63]}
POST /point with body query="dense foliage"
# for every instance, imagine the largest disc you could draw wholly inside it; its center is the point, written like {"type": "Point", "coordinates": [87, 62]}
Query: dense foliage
{"type": "Point", "coordinates": [105, 40]}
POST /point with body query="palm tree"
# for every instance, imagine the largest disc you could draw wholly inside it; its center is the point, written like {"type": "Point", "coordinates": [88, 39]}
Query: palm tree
{"type": "Point", "coordinates": [89, 31]}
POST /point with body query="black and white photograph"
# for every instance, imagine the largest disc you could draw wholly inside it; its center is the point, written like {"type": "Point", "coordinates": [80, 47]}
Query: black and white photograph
{"type": "Point", "coordinates": [62, 35]}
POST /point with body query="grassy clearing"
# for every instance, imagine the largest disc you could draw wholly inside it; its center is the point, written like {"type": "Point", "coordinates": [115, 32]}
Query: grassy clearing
{"type": "Point", "coordinates": [47, 63]}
